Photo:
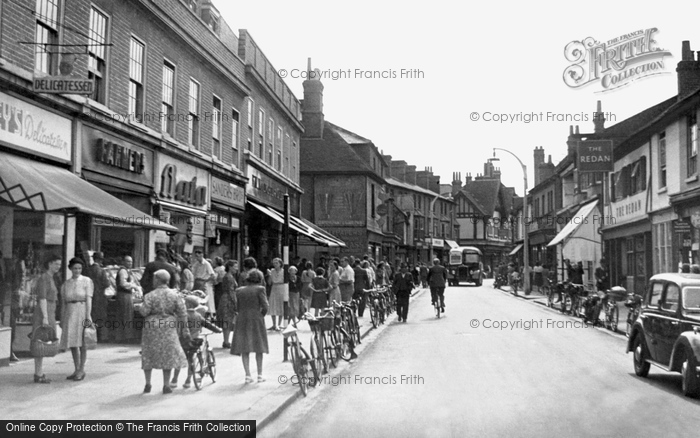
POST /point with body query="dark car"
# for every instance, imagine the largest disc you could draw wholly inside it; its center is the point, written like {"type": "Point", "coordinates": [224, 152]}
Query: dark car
{"type": "Point", "coordinates": [667, 331]}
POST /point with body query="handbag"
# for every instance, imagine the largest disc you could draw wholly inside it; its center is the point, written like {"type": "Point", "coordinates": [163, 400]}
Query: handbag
{"type": "Point", "coordinates": [44, 342]}
{"type": "Point", "coordinates": [90, 337]}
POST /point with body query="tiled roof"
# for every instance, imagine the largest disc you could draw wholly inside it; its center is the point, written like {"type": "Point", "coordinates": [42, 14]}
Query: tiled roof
{"type": "Point", "coordinates": [485, 193]}
{"type": "Point", "coordinates": [349, 136]}
{"type": "Point", "coordinates": [408, 186]}
{"type": "Point", "coordinates": [621, 131]}
{"type": "Point", "coordinates": [332, 153]}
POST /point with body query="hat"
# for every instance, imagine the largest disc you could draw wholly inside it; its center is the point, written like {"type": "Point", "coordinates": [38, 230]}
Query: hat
{"type": "Point", "coordinates": [191, 301]}
{"type": "Point", "coordinates": [198, 251]}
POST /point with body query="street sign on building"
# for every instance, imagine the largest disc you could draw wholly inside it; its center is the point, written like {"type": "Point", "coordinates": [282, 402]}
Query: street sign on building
{"type": "Point", "coordinates": [595, 156]}
{"type": "Point", "coordinates": [64, 85]}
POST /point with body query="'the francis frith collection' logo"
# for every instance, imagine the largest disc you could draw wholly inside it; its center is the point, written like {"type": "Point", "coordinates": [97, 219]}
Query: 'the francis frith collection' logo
{"type": "Point", "coordinates": [616, 62]}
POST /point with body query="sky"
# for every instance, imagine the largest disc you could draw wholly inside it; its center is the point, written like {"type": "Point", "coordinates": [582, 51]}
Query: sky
{"type": "Point", "coordinates": [464, 65]}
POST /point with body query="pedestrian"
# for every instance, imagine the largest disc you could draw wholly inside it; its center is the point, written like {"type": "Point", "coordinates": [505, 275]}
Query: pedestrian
{"type": "Point", "coordinates": [403, 285]}
{"type": "Point", "coordinates": [437, 277]}
{"type": "Point", "coordinates": [279, 294]}
{"type": "Point", "coordinates": [45, 309]}
{"type": "Point", "coordinates": [220, 271]}
{"type": "Point", "coordinates": [165, 323]}
{"type": "Point", "coordinates": [195, 322]}
{"type": "Point", "coordinates": [361, 284]}
{"type": "Point", "coordinates": [101, 283]}
{"type": "Point", "coordinates": [346, 280]}
{"type": "Point", "coordinates": [294, 282]}
{"type": "Point", "coordinates": [126, 286]}
{"type": "Point", "coordinates": [423, 275]}
{"type": "Point", "coordinates": [250, 335]}
{"type": "Point", "coordinates": [306, 277]}
{"type": "Point", "coordinates": [334, 282]}
{"type": "Point", "coordinates": [537, 276]}
{"type": "Point", "coordinates": [602, 278]}
{"type": "Point", "coordinates": [319, 288]}
{"type": "Point", "coordinates": [204, 277]}
{"type": "Point", "coordinates": [186, 276]}
{"type": "Point", "coordinates": [227, 303]}
{"type": "Point", "coordinates": [578, 274]}
{"type": "Point", "coordinates": [162, 261]}
{"type": "Point", "coordinates": [76, 296]}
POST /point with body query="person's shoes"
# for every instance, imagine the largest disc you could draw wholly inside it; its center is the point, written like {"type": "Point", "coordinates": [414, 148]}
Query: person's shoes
{"type": "Point", "coordinates": [79, 377]}
{"type": "Point", "coordinates": [442, 309]}
{"type": "Point", "coordinates": [41, 379]}
{"type": "Point", "coordinates": [147, 389]}
{"type": "Point", "coordinates": [13, 358]}
{"type": "Point", "coordinates": [248, 380]}
{"type": "Point", "coordinates": [405, 320]}
{"type": "Point", "coordinates": [272, 329]}
{"type": "Point", "coordinates": [399, 319]}
{"type": "Point", "coordinates": [186, 385]}
{"type": "Point", "coordinates": [167, 389]}
{"type": "Point", "coordinates": [226, 345]}
{"type": "Point", "coordinates": [72, 376]}
{"type": "Point", "coordinates": [173, 385]}
{"type": "Point", "coordinates": [260, 379]}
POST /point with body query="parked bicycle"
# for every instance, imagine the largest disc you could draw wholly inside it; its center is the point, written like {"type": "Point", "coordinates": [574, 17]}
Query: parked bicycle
{"type": "Point", "coordinates": [302, 364]}
{"type": "Point", "coordinates": [201, 362]}
{"type": "Point", "coordinates": [612, 312]}
{"type": "Point", "coordinates": [634, 304]}
{"type": "Point", "coordinates": [345, 340]}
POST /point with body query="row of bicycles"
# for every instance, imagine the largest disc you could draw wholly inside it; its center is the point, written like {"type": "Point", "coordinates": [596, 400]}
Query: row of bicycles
{"type": "Point", "coordinates": [334, 336]}
{"type": "Point", "coordinates": [576, 300]}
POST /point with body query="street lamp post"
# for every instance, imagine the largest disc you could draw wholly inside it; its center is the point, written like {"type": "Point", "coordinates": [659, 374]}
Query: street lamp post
{"type": "Point", "coordinates": [526, 243]}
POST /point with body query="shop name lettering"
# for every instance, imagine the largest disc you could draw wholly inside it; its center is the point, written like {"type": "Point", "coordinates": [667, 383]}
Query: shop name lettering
{"type": "Point", "coordinates": [629, 208]}
{"type": "Point", "coordinates": [116, 155]}
{"type": "Point", "coordinates": [227, 191]}
{"type": "Point", "coordinates": [614, 63]}
{"type": "Point", "coordinates": [20, 122]}
{"type": "Point", "coordinates": [183, 191]}
{"type": "Point", "coordinates": [264, 187]}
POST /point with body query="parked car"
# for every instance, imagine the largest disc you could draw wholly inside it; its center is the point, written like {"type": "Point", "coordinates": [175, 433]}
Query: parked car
{"type": "Point", "coordinates": [667, 331]}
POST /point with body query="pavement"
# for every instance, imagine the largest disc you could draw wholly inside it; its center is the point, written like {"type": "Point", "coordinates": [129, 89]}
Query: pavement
{"type": "Point", "coordinates": [113, 386]}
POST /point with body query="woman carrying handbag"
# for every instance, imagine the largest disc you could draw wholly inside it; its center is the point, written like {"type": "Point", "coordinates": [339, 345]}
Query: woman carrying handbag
{"type": "Point", "coordinates": [45, 310]}
{"type": "Point", "coordinates": [76, 294]}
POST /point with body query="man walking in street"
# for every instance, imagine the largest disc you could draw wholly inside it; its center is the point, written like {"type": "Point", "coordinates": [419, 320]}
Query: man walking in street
{"type": "Point", "coordinates": [437, 276]}
{"type": "Point", "coordinates": [361, 282]}
{"type": "Point", "coordinates": [100, 282]}
{"type": "Point", "coordinates": [403, 285]}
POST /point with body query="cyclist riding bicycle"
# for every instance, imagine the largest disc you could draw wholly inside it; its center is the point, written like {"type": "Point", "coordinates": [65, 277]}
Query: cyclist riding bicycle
{"type": "Point", "coordinates": [437, 277]}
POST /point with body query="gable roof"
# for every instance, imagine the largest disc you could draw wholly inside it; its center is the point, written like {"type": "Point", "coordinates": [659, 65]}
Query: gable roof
{"type": "Point", "coordinates": [332, 153]}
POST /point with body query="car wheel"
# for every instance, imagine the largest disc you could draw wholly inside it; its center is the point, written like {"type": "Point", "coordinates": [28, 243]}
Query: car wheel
{"type": "Point", "coordinates": [690, 383]}
{"type": "Point", "coordinates": [639, 354]}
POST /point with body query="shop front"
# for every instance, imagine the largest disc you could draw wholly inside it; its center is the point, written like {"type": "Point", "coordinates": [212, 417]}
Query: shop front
{"type": "Point", "coordinates": [182, 200]}
{"type": "Point", "coordinates": [685, 236]}
{"type": "Point", "coordinates": [225, 218]}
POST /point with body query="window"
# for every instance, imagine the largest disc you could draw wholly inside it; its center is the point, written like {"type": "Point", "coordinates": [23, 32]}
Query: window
{"type": "Point", "coordinates": [662, 247]}
{"type": "Point", "coordinates": [97, 61]}
{"type": "Point", "coordinates": [372, 202]}
{"type": "Point", "coordinates": [671, 298]}
{"type": "Point", "coordinates": [136, 79]}
{"type": "Point", "coordinates": [193, 115]}
{"type": "Point", "coordinates": [167, 110]}
{"type": "Point", "coordinates": [691, 299]}
{"type": "Point", "coordinates": [45, 59]}
{"type": "Point", "coordinates": [662, 160]}
{"type": "Point", "coordinates": [261, 133]}
{"type": "Point", "coordinates": [250, 124]}
{"type": "Point", "coordinates": [692, 146]}
{"type": "Point", "coordinates": [216, 127]}
{"type": "Point", "coordinates": [278, 147]}
{"type": "Point", "coordinates": [270, 140]}
{"type": "Point", "coordinates": [234, 140]}
{"type": "Point", "coordinates": [655, 294]}
{"type": "Point", "coordinates": [295, 160]}
{"type": "Point", "coordinates": [287, 152]}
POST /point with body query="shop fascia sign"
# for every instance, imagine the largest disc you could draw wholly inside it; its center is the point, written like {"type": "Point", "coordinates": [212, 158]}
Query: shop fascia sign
{"type": "Point", "coordinates": [115, 155]}
{"type": "Point", "coordinates": [187, 192]}
{"type": "Point", "coordinates": [31, 129]}
{"type": "Point", "coordinates": [227, 193]}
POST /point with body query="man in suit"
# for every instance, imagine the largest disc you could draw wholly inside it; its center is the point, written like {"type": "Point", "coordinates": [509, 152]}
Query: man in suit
{"type": "Point", "coordinates": [437, 276]}
{"type": "Point", "coordinates": [403, 285]}
{"type": "Point", "coordinates": [162, 261]}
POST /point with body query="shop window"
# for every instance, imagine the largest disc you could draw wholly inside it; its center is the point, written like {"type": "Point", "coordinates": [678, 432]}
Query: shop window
{"type": "Point", "coordinates": [167, 109]}
{"type": "Point", "coordinates": [136, 50]}
{"type": "Point", "coordinates": [97, 66]}
{"type": "Point", "coordinates": [45, 58]}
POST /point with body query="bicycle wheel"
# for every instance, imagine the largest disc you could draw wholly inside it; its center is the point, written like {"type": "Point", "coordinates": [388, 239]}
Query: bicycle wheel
{"type": "Point", "coordinates": [197, 370]}
{"type": "Point", "coordinates": [329, 349]}
{"type": "Point", "coordinates": [565, 303]}
{"type": "Point", "coordinates": [316, 348]}
{"type": "Point", "coordinates": [550, 297]}
{"type": "Point", "coordinates": [295, 358]}
{"type": "Point", "coordinates": [374, 316]}
{"type": "Point", "coordinates": [346, 346]}
{"type": "Point", "coordinates": [614, 318]}
{"type": "Point", "coordinates": [308, 368]}
{"type": "Point", "coordinates": [355, 328]}
{"type": "Point", "coordinates": [575, 306]}
{"type": "Point", "coordinates": [211, 364]}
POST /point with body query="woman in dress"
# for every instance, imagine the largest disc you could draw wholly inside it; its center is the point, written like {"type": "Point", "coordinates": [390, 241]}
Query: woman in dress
{"type": "Point", "coordinates": [320, 288]}
{"type": "Point", "coordinates": [250, 335]}
{"type": "Point", "coordinates": [186, 276]}
{"type": "Point", "coordinates": [165, 321]}
{"type": "Point", "coordinates": [334, 281]}
{"type": "Point", "coordinates": [279, 294]}
{"type": "Point", "coordinates": [76, 302]}
{"type": "Point", "coordinates": [227, 305]}
{"type": "Point", "coordinates": [294, 289]}
{"type": "Point", "coordinates": [45, 310]}
{"type": "Point", "coordinates": [305, 293]}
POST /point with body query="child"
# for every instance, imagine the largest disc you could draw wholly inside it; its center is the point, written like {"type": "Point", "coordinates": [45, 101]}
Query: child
{"type": "Point", "coordinates": [320, 288]}
{"type": "Point", "coordinates": [294, 289]}
{"type": "Point", "coordinates": [195, 322]}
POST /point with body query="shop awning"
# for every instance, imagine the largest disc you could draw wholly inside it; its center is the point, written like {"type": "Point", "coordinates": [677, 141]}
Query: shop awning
{"type": "Point", "coordinates": [332, 240]}
{"type": "Point", "coordinates": [516, 249]}
{"type": "Point", "coordinates": [573, 223]}
{"type": "Point", "coordinates": [300, 226]}
{"type": "Point", "coordinates": [41, 187]}
{"type": "Point", "coordinates": [451, 244]}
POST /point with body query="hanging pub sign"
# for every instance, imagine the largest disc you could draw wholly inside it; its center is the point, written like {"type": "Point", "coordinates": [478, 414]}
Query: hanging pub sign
{"type": "Point", "coordinates": [595, 156]}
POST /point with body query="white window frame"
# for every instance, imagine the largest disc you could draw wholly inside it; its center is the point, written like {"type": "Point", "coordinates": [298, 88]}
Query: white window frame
{"type": "Point", "coordinates": [136, 91]}
{"type": "Point", "coordinates": [193, 127]}
{"type": "Point", "coordinates": [168, 109]}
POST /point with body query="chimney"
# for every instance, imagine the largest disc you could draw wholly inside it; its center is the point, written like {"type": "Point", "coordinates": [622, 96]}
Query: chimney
{"type": "Point", "coordinates": [688, 71]}
{"type": "Point", "coordinates": [599, 120]}
{"type": "Point", "coordinates": [572, 141]}
{"type": "Point", "coordinates": [456, 182]}
{"type": "Point", "coordinates": [434, 183]}
{"type": "Point", "coordinates": [546, 170]}
{"type": "Point", "coordinates": [538, 160]}
{"type": "Point", "coordinates": [398, 170]}
{"type": "Point", "coordinates": [312, 105]}
{"type": "Point", "coordinates": [468, 178]}
{"type": "Point", "coordinates": [411, 175]}
{"type": "Point", "coordinates": [423, 178]}
{"type": "Point", "coordinates": [488, 169]}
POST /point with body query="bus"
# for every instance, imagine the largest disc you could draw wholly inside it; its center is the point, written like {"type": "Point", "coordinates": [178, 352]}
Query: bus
{"type": "Point", "coordinates": [465, 266]}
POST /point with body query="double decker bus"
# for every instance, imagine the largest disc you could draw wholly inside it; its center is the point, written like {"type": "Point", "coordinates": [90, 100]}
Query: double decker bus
{"type": "Point", "coordinates": [465, 266]}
